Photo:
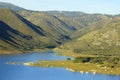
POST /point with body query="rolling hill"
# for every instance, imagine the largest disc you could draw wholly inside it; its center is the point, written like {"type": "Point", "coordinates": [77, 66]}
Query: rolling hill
{"type": "Point", "coordinates": [102, 41]}
{"type": "Point", "coordinates": [52, 24]}
{"type": "Point", "coordinates": [78, 23]}
{"type": "Point", "coordinates": [17, 33]}
{"type": "Point", "coordinates": [10, 6]}
{"type": "Point", "coordinates": [22, 29]}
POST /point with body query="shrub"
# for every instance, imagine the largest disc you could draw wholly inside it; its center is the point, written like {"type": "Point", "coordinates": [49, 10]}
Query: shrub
{"type": "Point", "coordinates": [68, 59]}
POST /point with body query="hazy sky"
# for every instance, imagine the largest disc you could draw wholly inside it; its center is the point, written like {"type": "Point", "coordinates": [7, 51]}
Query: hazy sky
{"type": "Point", "coordinates": [89, 6]}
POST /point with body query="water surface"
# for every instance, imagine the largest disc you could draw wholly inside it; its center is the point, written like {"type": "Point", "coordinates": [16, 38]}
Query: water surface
{"type": "Point", "coordinates": [21, 72]}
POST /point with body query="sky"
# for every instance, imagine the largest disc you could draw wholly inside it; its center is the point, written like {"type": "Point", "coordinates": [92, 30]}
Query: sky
{"type": "Point", "coordinates": [88, 6]}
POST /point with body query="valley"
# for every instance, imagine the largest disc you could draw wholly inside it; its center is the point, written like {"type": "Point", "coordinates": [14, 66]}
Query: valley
{"type": "Point", "coordinates": [93, 40]}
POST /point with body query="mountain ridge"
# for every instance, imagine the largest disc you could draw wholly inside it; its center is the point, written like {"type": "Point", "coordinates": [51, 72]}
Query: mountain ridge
{"type": "Point", "coordinates": [10, 6]}
{"type": "Point", "coordinates": [49, 29]}
{"type": "Point", "coordinates": [28, 32]}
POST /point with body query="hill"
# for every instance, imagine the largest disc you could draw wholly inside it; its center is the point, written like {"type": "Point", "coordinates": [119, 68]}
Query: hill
{"type": "Point", "coordinates": [102, 41]}
{"type": "Point", "coordinates": [52, 24]}
{"type": "Point", "coordinates": [10, 6]}
{"type": "Point", "coordinates": [79, 23]}
{"type": "Point", "coordinates": [90, 33]}
{"type": "Point", "coordinates": [48, 31]}
{"type": "Point", "coordinates": [18, 33]}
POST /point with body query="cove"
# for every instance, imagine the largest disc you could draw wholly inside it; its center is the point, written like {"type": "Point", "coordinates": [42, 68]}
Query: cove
{"type": "Point", "coordinates": [21, 72]}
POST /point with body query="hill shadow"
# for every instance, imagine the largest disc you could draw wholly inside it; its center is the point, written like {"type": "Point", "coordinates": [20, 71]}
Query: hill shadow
{"type": "Point", "coordinates": [37, 29]}
{"type": "Point", "coordinates": [5, 35]}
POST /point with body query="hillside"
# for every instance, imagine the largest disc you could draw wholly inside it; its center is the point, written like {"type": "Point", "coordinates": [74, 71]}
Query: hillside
{"type": "Point", "coordinates": [10, 6]}
{"type": "Point", "coordinates": [88, 20]}
{"type": "Point", "coordinates": [17, 33]}
{"type": "Point", "coordinates": [52, 24]}
{"type": "Point", "coordinates": [102, 41]}
{"type": "Point", "coordinates": [77, 23]}
{"type": "Point", "coordinates": [89, 33]}
{"type": "Point", "coordinates": [59, 29]}
{"type": "Point", "coordinates": [47, 31]}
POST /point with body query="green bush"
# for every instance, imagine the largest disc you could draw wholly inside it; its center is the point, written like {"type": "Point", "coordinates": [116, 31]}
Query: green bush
{"type": "Point", "coordinates": [68, 59]}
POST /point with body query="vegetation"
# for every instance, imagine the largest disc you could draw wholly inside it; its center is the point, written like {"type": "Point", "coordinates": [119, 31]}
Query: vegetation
{"type": "Point", "coordinates": [10, 6]}
{"type": "Point", "coordinates": [104, 61]}
{"type": "Point", "coordinates": [102, 41]}
{"type": "Point", "coordinates": [78, 67]}
{"type": "Point", "coordinates": [28, 36]}
{"type": "Point", "coordinates": [95, 38]}
{"type": "Point", "coordinates": [89, 33]}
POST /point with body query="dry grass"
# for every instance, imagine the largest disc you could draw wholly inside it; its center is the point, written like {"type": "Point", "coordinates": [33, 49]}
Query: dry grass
{"type": "Point", "coordinates": [65, 52]}
{"type": "Point", "coordinates": [78, 67]}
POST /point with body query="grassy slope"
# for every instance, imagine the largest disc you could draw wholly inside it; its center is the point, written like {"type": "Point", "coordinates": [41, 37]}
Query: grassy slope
{"type": "Point", "coordinates": [77, 67]}
{"type": "Point", "coordinates": [55, 26]}
{"type": "Point", "coordinates": [47, 30]}
{"type": "Point", "coordinates": [105, 40]}
{"type": "Point", "coordinates": [18, 33]}
{"type": "Point", "coordinates": [10, 6]}
{"type": "Point", "coordinates": [90, 22]}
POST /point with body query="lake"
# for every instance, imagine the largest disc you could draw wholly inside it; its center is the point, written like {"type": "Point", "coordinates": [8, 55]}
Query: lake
{"type": "Point", "coordinates": [22, 72]}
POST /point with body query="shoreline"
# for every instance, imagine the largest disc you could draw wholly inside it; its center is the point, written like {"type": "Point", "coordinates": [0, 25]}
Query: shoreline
{"type": "Point", "coordinates": [69, 65]}
{"type": "Point", "coordinates": [76, 67]}
{"type": "Point", "coordinates": [70, 53]}
{"type": "Point", "coordinates": [14, 52]}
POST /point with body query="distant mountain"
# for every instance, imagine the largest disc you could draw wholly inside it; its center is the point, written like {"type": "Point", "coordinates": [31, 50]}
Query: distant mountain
{"type": "Point", "coordinates": [76, 19]}
{"type": "Point", "coordinates": [10, 6]}
{"type": "Point", "coordinates": [88, 20]}
{"type": "Point", "coordinates": [94, 21]}
{"type": "Point", "coordinates": [84, 18]}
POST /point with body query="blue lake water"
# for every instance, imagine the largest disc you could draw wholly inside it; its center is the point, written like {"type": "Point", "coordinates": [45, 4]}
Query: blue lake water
{"type": "Point", "coordinates": [21, 72]}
